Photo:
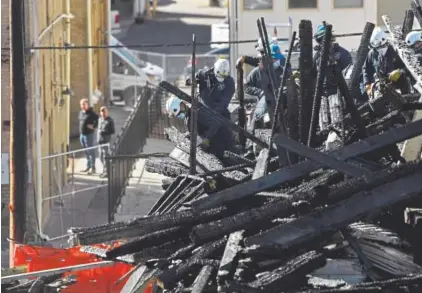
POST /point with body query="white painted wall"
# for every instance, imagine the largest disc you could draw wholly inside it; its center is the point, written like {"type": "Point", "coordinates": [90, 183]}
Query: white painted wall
{"type": "Point", "coordinates": [346, 20]}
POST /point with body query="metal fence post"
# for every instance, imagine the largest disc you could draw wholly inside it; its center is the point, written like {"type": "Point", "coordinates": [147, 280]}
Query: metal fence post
{"type": "Point", "coordinates": [110, 189]}
{"type": "Point", "coordinates": [164, 58]}
{"type": "Point", "coordinates": [194, 115]}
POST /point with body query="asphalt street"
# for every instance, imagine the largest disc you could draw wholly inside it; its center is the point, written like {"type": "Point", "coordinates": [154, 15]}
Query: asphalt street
{"type": "Point", "coordinates": [175, 22]}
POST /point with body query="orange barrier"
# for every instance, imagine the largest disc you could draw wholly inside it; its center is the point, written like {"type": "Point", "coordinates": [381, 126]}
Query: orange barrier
{"type": "Point", "coordinates": [98, 280]}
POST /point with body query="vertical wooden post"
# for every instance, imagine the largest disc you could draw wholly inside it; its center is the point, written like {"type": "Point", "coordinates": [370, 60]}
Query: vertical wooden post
{"type": "Point", "coordinates": [18, 139]}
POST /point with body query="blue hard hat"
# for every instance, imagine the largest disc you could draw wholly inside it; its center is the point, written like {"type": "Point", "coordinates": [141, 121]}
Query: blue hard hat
{"type": "Point", "coordinates": [320, 31]}
{"type": "Point", "coordinates": [276, 52]}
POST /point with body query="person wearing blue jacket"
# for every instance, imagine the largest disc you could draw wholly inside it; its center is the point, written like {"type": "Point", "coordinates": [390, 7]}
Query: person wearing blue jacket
{"type": "Point", "coordinates": [383, 62]}
{"type": "Point", "coordinates": [331, 111]}
{"type": "Point", "coordinates": [258, 84]}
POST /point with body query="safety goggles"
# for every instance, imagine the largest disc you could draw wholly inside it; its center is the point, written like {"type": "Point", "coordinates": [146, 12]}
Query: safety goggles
{"type": "Point", "coordinates": [222, 74]}
{"type": "Point", "coordinates": [417, 45]}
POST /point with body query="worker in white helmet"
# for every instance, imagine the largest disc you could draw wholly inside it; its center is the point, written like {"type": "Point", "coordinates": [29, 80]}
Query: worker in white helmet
{"type": "Point", "coordinates": [216, 89]}
{"type": "Point", "coordinates": [414, 41]}
{"type": "Point", "coordinates": [216, 86]}
{"type": "Point", "coordinates": [383, 62]}
{"type": "Point", "coordinates": [254, 60]}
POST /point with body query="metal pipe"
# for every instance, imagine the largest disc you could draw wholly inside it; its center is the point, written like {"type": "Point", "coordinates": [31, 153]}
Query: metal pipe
{"type": "Point", "coordinates": [89, 43]}
{"type": "Point", "coordinates": [75, 192]}
{"type": "Point", "coordinates": [50, 272]}
{"type": "Point", "coordinates": [110, 54]}
{"type": "Point", "coordinates": [66, 16]}
{"type": "Point", "coordinates": [77, 151]}
{"type": "Point", "coordinates": [68, 72]}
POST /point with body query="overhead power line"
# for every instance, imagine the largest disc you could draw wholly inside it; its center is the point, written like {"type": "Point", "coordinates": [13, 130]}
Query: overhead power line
{"type": "Point", "coordinates": [159, 45]}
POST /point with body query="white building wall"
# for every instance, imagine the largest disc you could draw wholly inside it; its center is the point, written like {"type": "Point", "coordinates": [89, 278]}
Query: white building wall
{"type": "Point", "coordinates": [345, 20]}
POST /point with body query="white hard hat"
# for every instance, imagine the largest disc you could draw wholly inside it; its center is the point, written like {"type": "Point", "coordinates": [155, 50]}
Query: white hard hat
{"type": "Point", "coordinates": [221, 69]}
{"type": "Point", "coordinates": [260, 47]}
{"type": "Point", "coordinates": [378, 38]}
{"type": "Point", "coordinates": [173, 106]}
{"type": "Point", "coordinates": [413, 37]}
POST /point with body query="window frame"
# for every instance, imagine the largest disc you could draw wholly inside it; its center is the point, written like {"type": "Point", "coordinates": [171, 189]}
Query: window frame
{"type": "Point", "coordinates": [260, 9]}
{"type": "Point", "coordinates": [302, 8]}
{"type": "Point", "coordinates": [333, 4]}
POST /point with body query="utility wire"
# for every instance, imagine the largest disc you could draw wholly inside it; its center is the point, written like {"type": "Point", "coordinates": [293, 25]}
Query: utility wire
{"type": "Point", "coordinates": [189, 44]}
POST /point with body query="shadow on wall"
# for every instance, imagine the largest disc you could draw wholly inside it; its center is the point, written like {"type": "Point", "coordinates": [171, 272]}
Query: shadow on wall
{"type": "Point", "coordinates": [158, 32]}
{"type": "Point", "coordinates": [165, 2]}
{"type": "Point", "coordinates": [125, 7]}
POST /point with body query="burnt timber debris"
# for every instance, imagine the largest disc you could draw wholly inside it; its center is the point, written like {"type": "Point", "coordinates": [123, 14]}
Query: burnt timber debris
{"type": "Point", "coordinates": [342, 214]}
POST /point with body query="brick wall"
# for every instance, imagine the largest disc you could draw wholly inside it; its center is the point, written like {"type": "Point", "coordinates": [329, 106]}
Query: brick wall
{"type": "Point", "coordinates": [79, 58]}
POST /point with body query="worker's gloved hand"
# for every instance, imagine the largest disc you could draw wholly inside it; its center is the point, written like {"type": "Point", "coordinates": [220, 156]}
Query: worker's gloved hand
{"type": "Point", "coordinates": [239, 62]}
{"type": "Point", "coordinates": [261, 95]}
{"type": "Point", "coordinates": [295, 74]}
{"type": "Point", "coordinates": [394, 75]}
{"type": "Point", "coordinates": [187, 135]}
{"type": "Point", "coordinates": [205, 144]}
{"type": "Point", "coordinates": [368, 89]}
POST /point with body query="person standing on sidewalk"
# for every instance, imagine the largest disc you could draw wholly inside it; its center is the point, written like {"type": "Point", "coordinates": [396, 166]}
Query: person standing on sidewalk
{"type": "Point", "coordinates": [105, 131]}
{"type": "Point", "coordinates": [88, 121]}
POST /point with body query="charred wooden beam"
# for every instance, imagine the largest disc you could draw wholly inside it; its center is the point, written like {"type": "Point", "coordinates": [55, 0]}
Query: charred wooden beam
{"type": "Point", "coordinates": [285, 207]}
{"type": "Point", "coordinates": [172, 193]}
{"type": "Point", "coordinates": [102, 253]}
{"type": "Point", "coordinates": [288, 276]}
{"type": "Point", "coordinates": [274, 179]}
{"type": "Point", "coordinates": [160, 251]}
{"type": "Point", "coordinates": [372, 232]}
{"type": "Point", "coordinates": [168, 278]}
{"type": "Point", "coordinates": [183, 158]}
{"type": "Point", "coordinates": [374, 287]}
{"type": "Point", "coordinates": [261, 162]}
{"type": "Point", "coordinates": [229, 259]}
{"type": "Point", "coordinates": [324, 159]}
{"type": "Point", "coordinates": [320, 79]}
{"type": "Point", "coordinates": [306, 79]}
{"type": "Point", "coordinates": [366, 263]}
{"type": "Point", "coordinates": [146, 241]}
{"type": "Point", "coordinates": [389, 259]}
{"type": "Point", "coordinates": [208, 161]}
{"type": "Point", "coordinates": [202, 279]}
{"type": "Point", "coordinates": [232, 287]}
{"type": "Point", "coordinates": [148, 224]}
{"type": "Point", "coordinates": [340, 214]}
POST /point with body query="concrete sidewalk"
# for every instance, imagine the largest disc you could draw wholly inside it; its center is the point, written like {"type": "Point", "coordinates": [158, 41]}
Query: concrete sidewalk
{"type": "Point", "coordinates": [89, 207]}
{"type": "Point", "coordinates": [144, 188]}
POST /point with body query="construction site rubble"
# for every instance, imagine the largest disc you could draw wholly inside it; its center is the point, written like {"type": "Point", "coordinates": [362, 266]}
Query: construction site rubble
{"type": "Point", "coordinates": [304, 210]}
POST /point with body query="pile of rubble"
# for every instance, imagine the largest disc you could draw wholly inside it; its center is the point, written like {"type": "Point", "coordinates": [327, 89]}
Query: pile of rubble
{"type": "Point", "coordinates": [308, 214]}
{"type": "Point", "coordinates": [339, 216]}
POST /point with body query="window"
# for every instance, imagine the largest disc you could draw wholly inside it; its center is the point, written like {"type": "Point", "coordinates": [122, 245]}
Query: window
{"type": "Point", "coordinates": [348, 3]}
{"type": "Point", "coordinates": [293, 4]}
{"type": "Point", "coordinates": [257, 4]}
